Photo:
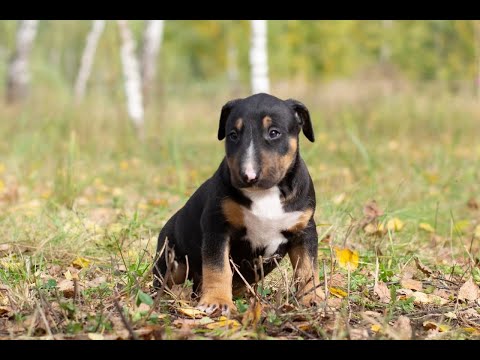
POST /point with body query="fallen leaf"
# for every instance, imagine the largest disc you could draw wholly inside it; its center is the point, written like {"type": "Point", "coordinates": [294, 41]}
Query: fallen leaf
{"type": "Point", "coordinates": [402, 329]}
{"type": "Point", "coordinates": [469, 291]}
{"type": "Point", "coordinates": [6, 311]}
{"type": "Point", "coordinates": [443, 293]}
{"type": "Point", "coordinates": [371, 210]}
{"type": "Point", "coordinates": [382, 291]}
{"type": "Point", "coordinates": [223, 323]}
{"type": "Point", "coordinates": [376, 327]}
{"type": "Point", "coordinates": [373, 229]}
{"type": "Point", "coordinates": [450, 315]}
{"type": "Point", "coordinates": [461, 226]}
{"type": "Point", "coordinates": [337, 292]}
{"type": "Point", "coordinates": [95, 336]}
{"type": "Point", "coordinates": [338, 280]}
{"type": "Point", "coordinates": [424, 269]}
{"type": "Point", "coordinates": [81, 262]}
{"type": "Point", "coordinates": [67, 288]}
{"type": "Point", "coordinates": [191, 312]}
{"type": "Point", "coordinates": [426, 227]}
{"type": "Point", "coordinates": [334, 303]}
{"type": "Point", "coordinates": [411, 284]}
{"type": "Point", "coordinates": [422, 298]}
{"type": "Point", "coordinates": [395, 224]}
{"type": "Point", "coordinates": [430, 325]}
{"type": "Point", "coordinates": [70, 276]}
{"type": "Point", "coordinates": [358, 334]}
{"type": "Point", "coordinates": [472, 204]}
{"type": "Point", "coordinates": [253, 314]}
{"type": "Point", "coordinates": [470, 313]}
{"type": "Point", "coordinates": [97, 281]}
{"type": "Point", "coordinates": [347, 258]}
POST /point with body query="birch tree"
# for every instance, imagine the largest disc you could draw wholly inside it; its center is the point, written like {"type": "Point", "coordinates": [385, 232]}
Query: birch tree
{"type": "Point", "coordinates": [87, 58]}
{"type": "Point", "coordinates": [18, 76]}
{"type": "Point", "coordinates": [258, 57]}
{"type": "Point", "coordinates": [152, 40]}
{"type": "Point", "coordinates": [132, 79]}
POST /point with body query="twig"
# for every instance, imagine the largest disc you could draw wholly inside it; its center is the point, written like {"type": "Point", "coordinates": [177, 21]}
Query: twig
{"type": "Point", "coordinates": [42, 315]}
{"type": "Point", "coordinates": [124, 320]}
{"type": "Point", "coordinates": [245, 281]}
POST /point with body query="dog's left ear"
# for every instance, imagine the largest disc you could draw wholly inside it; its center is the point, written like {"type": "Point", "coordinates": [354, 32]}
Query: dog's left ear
{"type": "Point", "coordinates": [303, 117]}
{"type": "Point", "coordinates": [226, 110]}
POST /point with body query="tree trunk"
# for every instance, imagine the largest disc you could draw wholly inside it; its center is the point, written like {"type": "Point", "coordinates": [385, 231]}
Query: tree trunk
{"type": "Point", "coordinates": [258, 57]}
{"type": "Point", "coordinates": [152, 40]}
{"type": "Point", "coordinates": [87, 59]}
{"type": "Point", "coordinates": [477, 50]}
{"type": "Point", "coordinates": [18, 76]}
{"type": "Point", "coordinates": [131, 74]}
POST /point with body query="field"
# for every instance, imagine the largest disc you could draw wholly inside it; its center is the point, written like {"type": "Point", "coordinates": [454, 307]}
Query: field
{"type": "Point", "coordinates": [397, 174]}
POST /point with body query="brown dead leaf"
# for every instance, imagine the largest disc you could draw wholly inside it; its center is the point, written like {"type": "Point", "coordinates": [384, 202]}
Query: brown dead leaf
{"type": "Point", "coordinates": [95, 336]}
{"type": "Point", "coordinates": [423, 268]}
{"type": "Point", "coordinates": [338, 280]}
{"type": "Point", "coordinates": [253, 314]}
{"type": "Point", "coordinates": [334, 303]}
{"type": "Point", "coordinates": [470, 313]}
{"type": "Point", "coordinates": [358, 334]}
{"type": "Point", "coordinates": [443, 293]}
{"type": "Point", "coordinates": [402, 329]}
{"type": "Point", "coordinates": [422, 298]}
{"type": "Point", "coordinates": [224, 323]}
{"type": "Point", "coordinates": [382, 291]}
{"type": "Point", "coordinates": [430, 325]}
{"type": "Point", "coordinates": [472, 204]}
{"type": "Point", "coordinates": [469, 291]}
{"type": "Point", "coordinates": [6, 311]}
{"type": "Point", "coordinates": [371, 210]}
{"type": "Point", "coordinates": [97, 281]}
{"type": "Point", "coordinates": [411, 284]}
{"type": "Point", "coordinates": [67, 288]}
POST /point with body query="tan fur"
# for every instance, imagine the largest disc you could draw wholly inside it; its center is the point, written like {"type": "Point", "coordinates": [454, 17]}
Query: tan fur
{"type": "Point", "coordinates": [233, 213]}
{"type": "Point", "coordinates": [277, 165]}
{"type": "Point", "coordinates": [217, 283]}
{"type": "Point", "coordinates": [267, 121]}
{"type": "Point", "coordinates": [302, 221]}
{"type": "Point", "coordinates": [306, 275]}
{"type": "Point", "coordinates": [239, 124]}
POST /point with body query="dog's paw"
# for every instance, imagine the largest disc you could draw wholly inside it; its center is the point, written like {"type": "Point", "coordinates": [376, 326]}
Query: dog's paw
{"type": "Point", "coordinates": [215, 306]}
{"type": "Point", "coordinates": [313, 297]}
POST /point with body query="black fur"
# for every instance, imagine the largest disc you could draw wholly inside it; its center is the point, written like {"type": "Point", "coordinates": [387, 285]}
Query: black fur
{"type": "Point", "coordinates": [199, 229]}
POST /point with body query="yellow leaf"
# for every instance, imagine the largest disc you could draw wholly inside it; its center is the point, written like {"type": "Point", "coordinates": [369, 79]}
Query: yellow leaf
{"type": "Point", "coordinates": [124, 165]}
{"type": "Point", "coordinates": [476, 232]}
{"type": "Point", "coordinates": [223, 323]}
{"type": "Point", "coordinates": [2, 185]}
{"type": "Point", "coordinates": [461, 225]}
{"type": "Point", "coordinates": [426, 227]}
{"type": "Point", "coordinates": [81, 263]}
{"type": "Point", "coordinates": [337, 292]}
{"type": "Point", "coordinates": [372, 228]}
{"type": "Point", "coordinates": [347, 259]}
{"type": "Point", "coordinates": [375, 328]}
{"type": "Point", "coordinates": [95, 336]}
{"type": "Point", "coordinates": [191, 312]}
{"type": "Point", "coordinates": [395, 224]}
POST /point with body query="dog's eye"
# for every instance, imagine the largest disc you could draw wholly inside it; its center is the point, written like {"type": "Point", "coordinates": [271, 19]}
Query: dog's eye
{"type": "Point", "coordinates": [233, 136]}
{"type": "Point", "coordinates": [273, 134]}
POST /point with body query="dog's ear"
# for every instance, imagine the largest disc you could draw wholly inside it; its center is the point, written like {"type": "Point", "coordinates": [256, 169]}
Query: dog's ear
{"type": "Point", "coordinates": [303, 117]}
{"type": "Point", "coordinates": [226, 109]}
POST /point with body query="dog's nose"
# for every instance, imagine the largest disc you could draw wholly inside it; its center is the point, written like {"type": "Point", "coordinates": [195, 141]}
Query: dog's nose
{"type": "Point", "coordinates": [250, 177]}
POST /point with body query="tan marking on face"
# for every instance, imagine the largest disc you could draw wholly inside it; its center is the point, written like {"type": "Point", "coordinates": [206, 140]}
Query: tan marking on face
{"type": "Point", "coordinates": [217, 283]}
{"type": "Point", "coordinates": [302, 221]}
{"type": "Point", "coordinates": [233, 213]}
{"type": "Point", "coordinates": [267, 121]}
{"type": "Point", "coordinates": [305, 269]}
{"type": "Point", "coordinates": [275, 165]}
{"type": "Point", "coordinates": [239, 124]}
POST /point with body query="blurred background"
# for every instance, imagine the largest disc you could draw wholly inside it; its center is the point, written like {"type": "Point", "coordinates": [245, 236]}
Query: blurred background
{"type": "Point", "coordinates": [115, 122]}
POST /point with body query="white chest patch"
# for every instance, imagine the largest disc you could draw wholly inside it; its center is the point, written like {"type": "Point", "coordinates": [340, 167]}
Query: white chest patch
{"type": "Point", "coordinates": [266, 219]}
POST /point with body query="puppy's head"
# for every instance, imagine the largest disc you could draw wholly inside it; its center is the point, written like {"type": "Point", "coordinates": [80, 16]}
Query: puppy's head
{"type": "Point", "coordinates": [261, 134]}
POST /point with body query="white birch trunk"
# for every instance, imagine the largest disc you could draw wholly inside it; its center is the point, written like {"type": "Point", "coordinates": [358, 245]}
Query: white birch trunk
{"type": "Point", "coordinates": [477, 49]}
{"type": "Point", "coordinates": [18, 76]}
{"type": "Point", "coordinates": [152, 40]}
{"type": "Point", "coordinates": [87, 58]}
{"type": "Point", "coordinates": [259, 57]}
{"type": "Point", "coordinates": [131, 74]}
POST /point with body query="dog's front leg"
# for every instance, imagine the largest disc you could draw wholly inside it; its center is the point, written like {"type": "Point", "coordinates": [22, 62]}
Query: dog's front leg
{"type": "Point", "coordinates": [303, 256]}
{"type": "Point", "coordinates": [216, 276]}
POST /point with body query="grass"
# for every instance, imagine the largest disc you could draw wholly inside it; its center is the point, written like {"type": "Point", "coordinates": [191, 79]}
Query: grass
{"type": "Point", "coordinates": [81, 204]}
